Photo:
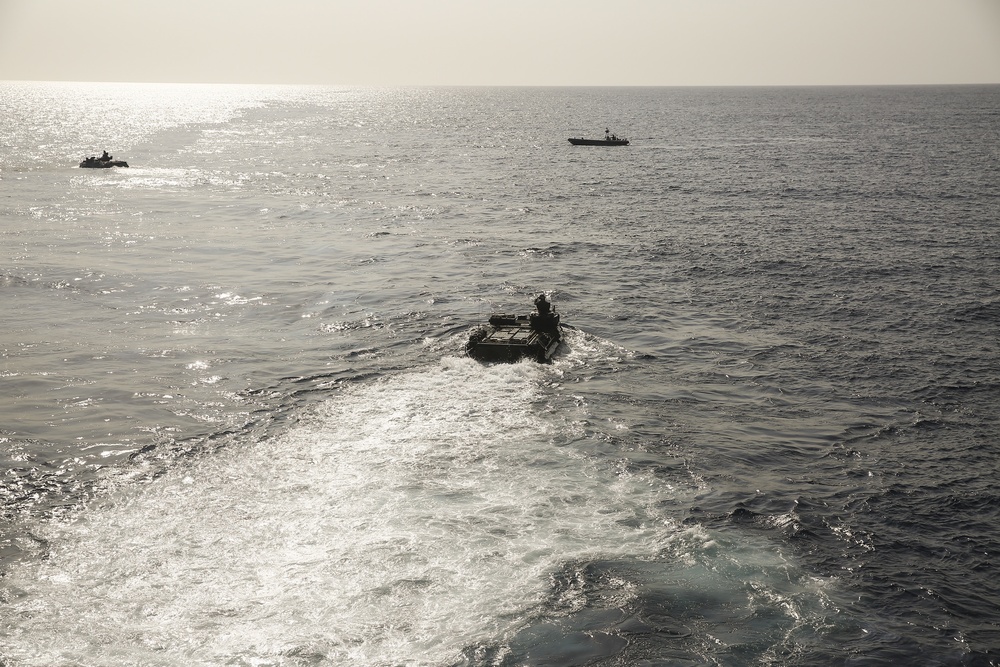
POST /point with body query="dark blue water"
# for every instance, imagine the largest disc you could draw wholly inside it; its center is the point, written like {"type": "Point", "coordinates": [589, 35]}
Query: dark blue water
{"type": "Point", "coordinates": [238, 427]}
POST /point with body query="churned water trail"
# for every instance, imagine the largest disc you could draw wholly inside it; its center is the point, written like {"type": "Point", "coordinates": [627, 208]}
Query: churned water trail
{"type": "Point", "coordinates": [408, 519]}
{"type": "Point", "coordinates": [435, 517]}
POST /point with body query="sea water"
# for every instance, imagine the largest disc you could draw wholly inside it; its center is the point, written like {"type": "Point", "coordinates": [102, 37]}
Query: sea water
{"type": "Point", "coordinates": [238, 426]}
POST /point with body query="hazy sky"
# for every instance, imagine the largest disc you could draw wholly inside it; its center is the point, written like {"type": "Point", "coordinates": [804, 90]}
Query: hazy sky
{"type": "Point", "coordinates": [503, 42]}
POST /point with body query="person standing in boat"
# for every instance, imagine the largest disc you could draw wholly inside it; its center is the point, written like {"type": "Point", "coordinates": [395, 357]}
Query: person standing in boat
{"type": "Point", "coordinates": [543, 319]}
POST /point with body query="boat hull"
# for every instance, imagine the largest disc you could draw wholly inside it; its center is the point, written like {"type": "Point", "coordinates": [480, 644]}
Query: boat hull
{"type": "Point", "coordinates": [102, 164]}
{"type": "Point", "coordinates": [599, 142]}
{"type": "Point", "coordinates": [510, 338]}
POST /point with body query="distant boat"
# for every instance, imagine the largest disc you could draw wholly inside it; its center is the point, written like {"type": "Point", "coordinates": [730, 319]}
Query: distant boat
{"type": "Point", "coordinates": [103, 162]}
{"type": "Point", "coordinates": [608, 140]}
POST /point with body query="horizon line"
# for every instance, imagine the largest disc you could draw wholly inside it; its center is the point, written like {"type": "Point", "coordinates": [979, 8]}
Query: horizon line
{"type": "Point", "coordinates": [512, 85]}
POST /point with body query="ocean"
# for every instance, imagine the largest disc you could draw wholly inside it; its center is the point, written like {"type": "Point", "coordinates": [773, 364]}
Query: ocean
{"type": "Point", "coordinates": [238, 427]}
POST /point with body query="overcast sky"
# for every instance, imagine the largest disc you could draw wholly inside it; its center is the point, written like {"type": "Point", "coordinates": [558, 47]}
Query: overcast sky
{"type": "Point", "coordinates": [503, 42]}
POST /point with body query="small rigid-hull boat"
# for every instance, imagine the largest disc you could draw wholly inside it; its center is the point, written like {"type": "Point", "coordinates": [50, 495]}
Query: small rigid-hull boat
{"type": "Point", "coordinates": [510, 338]}
{"type": "Point", "coordinates": [608, 140]}
{"type": "Point", "coordinates": [98, 163]}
